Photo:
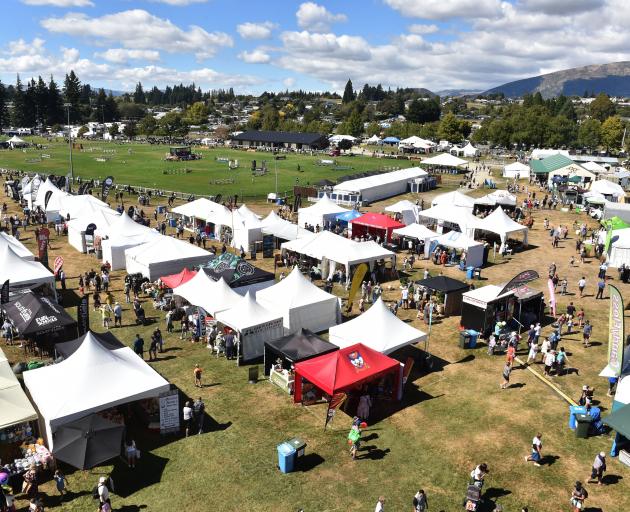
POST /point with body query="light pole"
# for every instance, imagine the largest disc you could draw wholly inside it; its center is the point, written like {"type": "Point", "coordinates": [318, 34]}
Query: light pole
{"type": "Point", "coordinates": [68, 105]}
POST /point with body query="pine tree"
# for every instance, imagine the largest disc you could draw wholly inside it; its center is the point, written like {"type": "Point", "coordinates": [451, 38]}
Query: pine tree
{"type": "Point", "coordinates": [54, 104]}
{"type": "Point", "coordinates": [4, 112]}
{"type": "Point", "coordinates": [111, 109]}
{"type": "Point", "coordinates": [348, 93]}
{"type": "Point", "coordinates": [19, 104]}
{"type": "Point", "coordinates": [72, 95]}
{"type": "Point", "coordinates": [138, 95]}
{"type": "Point", "coordinates": [101, 99]}
{"type": "Point", "coordinates": [41, 101]}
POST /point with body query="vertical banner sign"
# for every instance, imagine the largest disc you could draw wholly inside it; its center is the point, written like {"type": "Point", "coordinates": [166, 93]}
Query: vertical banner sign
{"type": "Point", "coordinates": [552, 297]}
{"type": "Point", "coordinates": [58, 265]}
{"type": "Point", "coordinates": [615, 332]}
{"type": "Point", "coordinates": [334, 404]}
{"type": "Point", "coordinates": [42, 245]}
{"type": "Point", "coordinates": [107, 185]}
{"type": "Point", "coordinates": [83, 315]}
{"type": "Point", "coordinates": [359, 274]}
{"type": "Point", "coordinates": [4, 293]}
{"type": "Point", "coordinates": [47, 198]}
{"type": "Point", "coordinates": [169, 411]}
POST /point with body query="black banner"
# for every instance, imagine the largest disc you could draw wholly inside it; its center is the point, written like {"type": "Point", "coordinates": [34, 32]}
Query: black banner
{"type": "Point", "coordinates": [47, 198]}
{"type": "Point", "coordinates": [83, 315]}
{"type": "Point", "coordinates": [297, 202]}
{"type": "Point", "coordinates": [4, 293]}
{"type": "Point", "coordinates": [14, 192]}
{"type": "Point", "coordinates": [268, 246]}
{"type": "Point", "coordinates": [520, 279]}
{"type": "Point", "coordinates": [90, 229]}
{"type": "Point", "coordinates": [108, 183]}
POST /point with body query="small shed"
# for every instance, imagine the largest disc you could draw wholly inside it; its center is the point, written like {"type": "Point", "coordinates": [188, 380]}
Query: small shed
{"type": "Point", "coordinates": [450, 288]}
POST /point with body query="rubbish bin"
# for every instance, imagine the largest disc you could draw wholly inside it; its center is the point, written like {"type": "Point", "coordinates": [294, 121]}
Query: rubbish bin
{"type": "Point", "coordinates": [573, 410]}
{"type": "Point", "coordinates": [299, 445]}
{"type": "Point", "coordinates": [583, 425]}
{"type": "Point", "coordinates": [286, 457]}
{"type": "Point", "coordinates": [470, 272]}
{"type": "Point", "coordinates": [172, 222]}
{"type": "Point", "coordinates": [474, 335]}
{"type": "Point", "coordinates": [464, 339]}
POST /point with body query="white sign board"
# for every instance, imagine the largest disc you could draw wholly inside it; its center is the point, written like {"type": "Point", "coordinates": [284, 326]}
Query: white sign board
{"type": "Point", "coordinates": [169, 411]}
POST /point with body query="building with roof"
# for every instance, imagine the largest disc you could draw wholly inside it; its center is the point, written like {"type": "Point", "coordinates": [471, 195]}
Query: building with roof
{"type": "Point", "coordinates": [376, 187]}
{"type": "Point", "coordinates": [562, 166]}
{"type": "Point", "coordinates": [287, 140]}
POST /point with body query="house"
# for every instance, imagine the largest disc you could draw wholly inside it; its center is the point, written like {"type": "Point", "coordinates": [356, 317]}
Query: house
{"type": "Point", "coordinates": [289, 140]}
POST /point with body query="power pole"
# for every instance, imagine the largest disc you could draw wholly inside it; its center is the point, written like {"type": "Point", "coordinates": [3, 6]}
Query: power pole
{"type": "Point", "coordinates": [68, 105]}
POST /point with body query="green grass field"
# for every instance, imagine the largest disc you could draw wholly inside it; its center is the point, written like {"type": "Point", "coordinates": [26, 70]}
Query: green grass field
{"type": "Point", "coordinates": [144, 165]}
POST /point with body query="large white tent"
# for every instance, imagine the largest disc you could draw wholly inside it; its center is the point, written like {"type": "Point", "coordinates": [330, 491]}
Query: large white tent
{"type": "Point", "coordinates": [29, 189]}
{"type": "Point", "coordinates": [457, 240]}
{"type": "Point", "coordinates": [407, 210]}
{"type": "Point", "coordinates": [378, 186]}
{"type": "Point", "coordinates": [247, 229]}
{"type": "Point", "coordinates": [204, 292]}
{"type": "Point", "coordinates": [255, 325]}
{"type": "Point", "coordinates": [417, 232]}
{"type": "Point", "coordinates": [378, 328]}
{"type": "Point", "coordinates": [594, 167]}
{"type": "Point", "coordinates": [24, 274]}
{"type": "Point", "coordinates": [79, 206]}
{"type": "Point", "coordinates": [454, 198]}
{"type": "Point", "coordinates": [498, 222]}
{"type": "Point", "coordinates": [163, 256]}
{"type": "Point", "coordinates": [470, 151]}
{"type": "Point", "coordinates": [301, 304]}
{"type": "Point", "coordinates": [325, 209]}
{"type": "Point", "coordinates": [122, 234]}
{"type": "Point", "coordinates": [16, 142]}
{"type": "Point", "coordinates": [612, 191]}
{"type": "Point", "coordinates": [452, 215]}
{"type": "Point", "coordinates": [619, 251]}
{"type": "Point", "coordinates": [328, 247]}
{"type": "Point", "coordinates": [55, 201]}
{"type": "Point", "coordinates": [92, 379]}
{"type": "Point", "coordinates": [274, 225]}
{"type": "Point", "coordinates": [516, 169]}
{"type": "Point", "coordinates": [246, 212]}
{"type": "Point", "coordinates": [102, 218]}
{"type": "Point", "coordinates": [444, 160]}
{"type": "Point", "coordinates": [374, 139]}
{"type": "Point", "coordinates": [202, 211]}
{"type": "Point", "coordinates": [17, 246]}
{"type": "Point", "coordinates": [15, 407]}
{"type": "Point", "coordinates": [498, 197]}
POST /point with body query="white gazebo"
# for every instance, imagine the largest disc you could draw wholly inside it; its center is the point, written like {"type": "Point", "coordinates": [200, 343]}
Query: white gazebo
{"type": "Point", "coordinates": [122, 234]}
{"type": "Point", "coordinates": [406, 209]}
{"type": "Point", "coordinates": [24, 274]}
{"type": "Point", "coordinates": [500, 223]}
{"type": "Point", "coordinates": [208, 294]}
{"type": "Point", "coordinates": [470, 151]}
{"type": "Point", "coordinates": [18, 247]}
{"type": "Point", "coordinates": [516, 170]}
{"type": "Point", "coordinates": [444, 160]}
{"type": "Point", "coordinates": [325, 209]}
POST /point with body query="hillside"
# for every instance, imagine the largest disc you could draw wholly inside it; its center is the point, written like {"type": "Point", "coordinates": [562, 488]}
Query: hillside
{"type": "Point", "coordinates": [612, 79]}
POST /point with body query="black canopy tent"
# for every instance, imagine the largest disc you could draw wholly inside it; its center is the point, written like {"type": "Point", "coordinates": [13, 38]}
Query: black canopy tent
{"type": "Point", "coordinates": [106, 339]}
{"type": "Point", "coordinates": [236, 272]}
{"type": "Point", "coordinates": [41, 320]}
{"type": "Point", "coordinates": [88, 441]}
{"type": "Point", "coordinates": [296, 347]}
{"type": "Point", "coordinates": [452, 290]}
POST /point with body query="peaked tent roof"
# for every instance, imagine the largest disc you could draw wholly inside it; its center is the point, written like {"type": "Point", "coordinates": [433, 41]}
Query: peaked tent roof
{"type": "Point", "coordinates": [235, 270]}
{"type": "Point", "coordinates": [606, 187]}
{"type": "Point", "coordinates": [212, 296]}
{"type": "Point", "coordinates": [594, 167]}
{"type": "Point", "coordinates": [443, 284]}
{"type": "Point", "coordinates": [246, 212]}
{"type": "Point", "coordinates": [124, 230]}
{"type": "Point", "coordinates": [93, 378]}
{"type": "Point", "coordinates": [79, 206]}
{"type": "Point", "coordinates": [378, 328]}
{"type": "Point", "coordinates": [470, 150]}
{"type": "Point", "coordinates": [201, 208]}
{"type": "Point", "coordinates": [293, 291]}
{"type": "Point", "coordinates": [336, 372]}
{"type": "Point", "coordinates": [271, 219]}
{"type": "Point", "coordinates": [454, 198]}
{"type": "Point", "coordinates": [373, 139]}
{"type": "Point", "coordinates": [498, 197]}
{"type": "Point", "coordinates": [444, 160]}
{"type": "Point", "coordinates": [456, 240]}
{"type": "Point", "coordinates": [550, 164]}
{"type": "Point", "coordinates": [401, 206]}
{"type": "Point", "coordinates": [517, 167]}
{"type": "Point", "coordinates": [378, 220]}
{"type": "Point", "coordinates": [499, 222]}
{"type": "Point", "coordinates": [33, 315]}
{"type": "Point", "coordinates": [323, 206]}
{"type": "Point", "coordinates": [106, 339]}
{"type": "Point", "coordinates": [18, 270]}
{"type": "Point", "coordinates": [15, 140]}
{"type": "Point", "coordinates": [18, 247]}
{"type": "Point", "coordinates": [246, 313]}
{"type": "Point", "coordinates": [301, 345]}
{"type": "Point", "coordinates": [417, 231]}
{"type": "Point", "coordinates": [175, 280]}
{"type": "Point", "coordinates": [15, 408]}
{"type": "Point", "coordinates": [459, 215]}
{"type": "Point", "coordinates": [164, 248]}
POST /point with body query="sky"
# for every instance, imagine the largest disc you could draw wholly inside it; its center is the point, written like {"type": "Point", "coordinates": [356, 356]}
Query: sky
{"type": "Point", "coordinates": [272, 45]}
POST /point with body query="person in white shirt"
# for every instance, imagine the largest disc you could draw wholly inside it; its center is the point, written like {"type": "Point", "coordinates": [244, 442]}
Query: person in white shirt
{"type": "Point", "coordinates": [380, 504]}
{"type": "Point", "coordinates": [188, 417]}
{"type": "Point", "coordinates": [536, 455]}
{"type": "Point", "coordinates": [103, 491]}
{"type": "Point", "coordinates": [581, 286]}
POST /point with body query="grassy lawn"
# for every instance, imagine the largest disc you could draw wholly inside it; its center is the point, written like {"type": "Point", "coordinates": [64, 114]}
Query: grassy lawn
{"type": "Point", "coordinates": [144, 165]}
{"type": "Point", "coordinates": [453, 416]}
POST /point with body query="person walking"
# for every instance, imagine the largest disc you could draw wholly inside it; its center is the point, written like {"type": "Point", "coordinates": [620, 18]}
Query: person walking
{"type": "Point", "coordinates": [62, 278]}
{"type": "Point", "coordinates": [106, 312]}
{"type": "Point", "coordinates": [117, 314]}
{"type": "Point", "coordinates": [598, 468]}
{"type": "Point", "coordinates": [507, 370]}
{"type": "Point", "coordinates": [153, 348]}
{"type": "Point", "coordinates": [354, 437]}
{"type": "Point", "coordinates": [199, 410]}
{"type": "Point", "coordinates": [536, 455]}
{"type": "Point", "coordinates": [188, 417]}
{"type": "Point", "coordinates": [420, 501]}
{"type": "Point", "coordinates": [197, 375]}
{"type": "Point", "coordinates": [138, 346]}
{"type": "Point", "coordinates": [578, 496]}
{"type": "Point", "coordinates": [586, 334]}
{"type": "Point", "coordinates": [581, 286]}
{"type": "Point", "coordinates": [103, 491]}
{"type": "Point", "coordinates": [60, 482]}
{"type": "Point", "coordinates": [601, 285]}
{"type": "Point", "coordinates": [380, 504]}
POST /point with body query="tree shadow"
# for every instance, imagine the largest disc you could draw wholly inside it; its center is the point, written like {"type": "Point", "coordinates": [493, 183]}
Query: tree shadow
{"type": "Point", "coordinates": [309, 461]}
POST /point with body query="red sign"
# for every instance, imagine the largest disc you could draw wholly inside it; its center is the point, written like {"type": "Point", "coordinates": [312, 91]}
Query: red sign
{"type": "Point", "coordinates": [42, 245]}
{"type": "Point", "coordinates": [58, 264]}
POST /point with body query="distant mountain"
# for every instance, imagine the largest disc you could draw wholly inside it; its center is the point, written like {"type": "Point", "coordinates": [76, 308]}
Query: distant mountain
{"type": "Point", "coordinates": [612, 79]}
{"type": "Point", "coordinates": [424, 92]}
{"type": "Point", "coordinates": [455, 93]}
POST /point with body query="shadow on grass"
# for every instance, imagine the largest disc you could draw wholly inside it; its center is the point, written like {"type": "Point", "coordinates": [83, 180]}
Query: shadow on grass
{"type": "Point", "coordinates": [131, 508]}
{"type": "Point", "coordinates": [611, 479]}
{"type": "Point", "coordinates": [373, 453]}
{"type": "Point", "coordinates": [467, 359]}
{"type": "Point", "coordinates": [490, 497]}
{"type": "Point", "coordinates": [148, 472]}
{"type": "Point", "coordinates": [549, 460]}
{"type": "Point", "coordinates": [309, 461]}
{"type": "Point", "coordinates": [516, 385]}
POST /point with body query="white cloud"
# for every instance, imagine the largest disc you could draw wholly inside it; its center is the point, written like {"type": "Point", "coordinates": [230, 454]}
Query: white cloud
{"type": "Point", "coordinates": [60, 3]}
{"type": "Point", "coordinates": [123, 55]}
{"type": "Point", "coordinates": [255, 57]}
{"type": "Point", "coordinates": [441, 9]}
{"type": "Point", "coordinates": [22, 47]}
{"type": "Point", "coordinates": [250, 30]}
{"type": "Point", "coordinates": [562, 7]}
{"type": "Point", "coordinates": [423, 29]}
{"type": "Point", "coordinates": [288, 82]}
{"type": "Point", "coordinates": [138, 29]}
{"type": "Point", "coordinates": [317, 18]}
{"type": "Point", "coordinates": [337, 47]}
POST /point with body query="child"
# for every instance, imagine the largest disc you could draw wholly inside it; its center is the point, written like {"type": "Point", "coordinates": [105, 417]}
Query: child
{"type": "Point", "coordinates": [563, 286]}
{"type": "Point", "coordinates": [197, 373]}
{"type": "Point", "coordinates": [354, 437]}
{"type": "Point", "coordinates": [507, 369]}
{"type": "Point", "coordinates": [569, 324]}
{"type": "Point", "coordinates": [61, 481]}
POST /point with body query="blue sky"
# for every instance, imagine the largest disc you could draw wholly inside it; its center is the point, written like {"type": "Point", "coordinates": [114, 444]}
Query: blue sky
{"type": "Point", "coordinates": [255, 45]}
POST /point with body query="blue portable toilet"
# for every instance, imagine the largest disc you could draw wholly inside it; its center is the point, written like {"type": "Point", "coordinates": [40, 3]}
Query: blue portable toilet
{"type": "Point", "coordinates": [470, 272]}
{"type": "Point", "coordinates": [286, 457]}
{"type": "Point", "coordinates": [474, 335]}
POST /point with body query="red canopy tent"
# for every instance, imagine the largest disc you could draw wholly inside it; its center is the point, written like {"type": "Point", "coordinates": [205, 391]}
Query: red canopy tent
{"type": "Point", "coordinates": [344, 369]}
{"type": "Point", "coordinates": [175, 280]}
{"type": "Point", "coordinates": [376, 224]}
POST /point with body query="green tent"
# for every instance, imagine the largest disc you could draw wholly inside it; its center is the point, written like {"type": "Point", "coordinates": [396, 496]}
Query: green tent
{"type": "Point", "coordinates": [575, 179]}
{"type": "Point", "coordinates": [619, 421]}
{"type": "Point", "coordinates": [615, 223]}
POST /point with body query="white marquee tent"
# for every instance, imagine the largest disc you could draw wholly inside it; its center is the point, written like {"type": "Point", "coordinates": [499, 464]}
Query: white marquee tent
{"type": "Point", "coordinates": [274, 225]}
{"type": "Point", "coordinates": [498, 197]}
{"type": "Point", "coordinates": [247, 229]}
{"type": "Point", "coordinates": [444, 160]}
{"type": "Point", "coordinates": [619, 251]}
{"type": "Point", "coordinates": [516, 169]}
{"type": "Point", "coordinates": [457, 240]}
{"type": "Point", "coordinates": [378, 328]}
{"type": "Point", "coordinates": [379, 186]}
{"type": "Point", "coordinates": [594, 167]}
{"type": "Point", "coordinates": [417, 232]}
{"type": "Point", "coordinates": [16, 142]}
{"type": "Point", "coordinates": [29, 189]}
{"type": "Point", "coordinates": [123, 234]}
{"type": "Point", "coordinates": [78, 206]}
{"type": "Point", "coordinates": [204, 292]}
{"type": "Point", "coordinates": [163, 256]}
{"type": "Point", "coordinates": [92, 379]}
{"type": "Point", "coordinates": [608, 188]}
{"type": "Point", "coordinates": [454, 198]}
{"type": "Point", "coordinates": [453, 216]}
{"type": "Point", "coordinates": [374, 139]}
{"type": "Point", "coordinates": [18, 247]}
{"type": "Point", "coordinates": [15, 407]}
{"type": "Point", "coordinates": [102, 218]}
{"type": "Point", "coordinates": [500, 223]}
{"type": "Point", "coordinates": [55, 202]}
{"type": "Point", "coordinates": [325, 209]}
{"type": "Point", "coordinates": [407, 210]}
{"type": "Point", "coordinates": [255, 325]}
{"type": "Point", "coordinates": [24, 274]}
{"type": "Point", "coordinates": [301, 304]}
{"type": "Point", "coordinates": [470, 151]}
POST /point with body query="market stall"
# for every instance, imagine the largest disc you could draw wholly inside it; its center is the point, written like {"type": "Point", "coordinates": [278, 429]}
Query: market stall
{"type": "Point", "coordinates": [201, 213]}
{"type": "Point", "coordinates": [418, 234]}
{"type": "Point", "coordinates": [18, 247]}
{"type": "Point", "coordinates": [123, 233]}
{"type": "Point", "coordinates": [175, 280]}
{"type": "Point", "coordinates": [25, 275]}
{"type": "Point", "coordinates": [254, 324]}
{"type": "Point", "coordinates": [212, 296]}
{"type": "Point", "coordinates": [405, 210]}
{"type": "Point", "coordinates": [375, 225]}
{"type": "Point", "coordinates": [483, 307]}
{"type": "Point", "coordinates": [501, 224]}
{"type": "Point", "coordinates": [282, 354]}
{"type": "Point", "coordinates": [378, 328]}
{"type": "Point", "coordinates": [448, 290]}
{"type": "Point", "coordinates": [476, 254]}
{"type": "Point", "coordinates": [81, 229]}
{"type": "Point", "coordinates": [516, 170]}
{"type": "Point", "coordinates": [301, 304]}
{"type": "Point", "coordinates": [319, 214]}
